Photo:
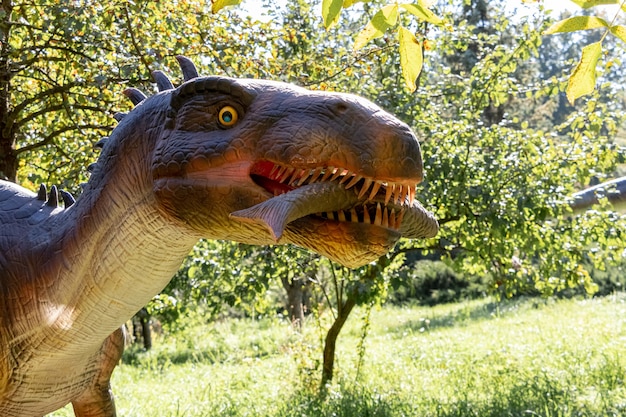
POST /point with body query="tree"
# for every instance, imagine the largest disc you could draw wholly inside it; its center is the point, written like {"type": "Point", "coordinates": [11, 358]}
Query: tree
{"type": "Point", "coordinates": [44, 101]}
{"type": "Point", "coordinates": [506, 183]}
{"type": "Point", "coordinates": [498, 185]}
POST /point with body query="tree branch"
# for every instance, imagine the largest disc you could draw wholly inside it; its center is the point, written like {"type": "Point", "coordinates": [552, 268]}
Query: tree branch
{"type": "Point", "coordinates": [134, 41]}
{"type": "Point", "coordinates": [49, 138]}
{"type": "Point", "coordinates": [51, 109]}
{"type": "Point", "coordinates": [47, 93]}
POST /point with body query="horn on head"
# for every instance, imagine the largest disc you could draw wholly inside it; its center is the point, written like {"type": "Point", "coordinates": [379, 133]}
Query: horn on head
{"type": "Point", "coordinates": [187, 67]}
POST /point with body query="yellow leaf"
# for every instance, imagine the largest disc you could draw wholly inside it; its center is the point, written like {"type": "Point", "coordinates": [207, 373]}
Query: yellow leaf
{"type": "Point", "coordinates": [411, 58]}
{"type": "Point", "coordinates": [583, 78]}
{"type": "Point", "coordinates": [619, 31]}
{"type": "Point", "coordinates": [382, 20]}
{"type": "Point", "coordinates": [585, 4]}
{"type": "Point", "coordinates": [217, 5]}
{"type": "Point", "coordinates": [330, 11]}
{"type": "Point", "coordinates": [577, 23]}
{"type": "Point", "coordinates": [419, 10]}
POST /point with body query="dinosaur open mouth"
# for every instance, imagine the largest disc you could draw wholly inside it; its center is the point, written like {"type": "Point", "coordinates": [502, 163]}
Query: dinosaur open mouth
{"type": "Point", "coordinates": [375, 202]}
{"type": "Point", "coordinates": [281, 179]}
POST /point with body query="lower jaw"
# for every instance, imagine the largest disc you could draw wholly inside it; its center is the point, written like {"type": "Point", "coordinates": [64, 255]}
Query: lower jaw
{"type": "Point", "coordinates": [349, 244]}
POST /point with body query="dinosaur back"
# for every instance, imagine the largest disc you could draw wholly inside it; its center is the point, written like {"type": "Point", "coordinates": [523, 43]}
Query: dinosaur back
{"type": "Point", "coordinates": [19, 206]}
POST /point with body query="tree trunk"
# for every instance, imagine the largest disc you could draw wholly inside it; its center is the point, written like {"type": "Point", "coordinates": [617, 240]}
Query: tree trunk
{"type": "Point", "coordinates": [331, 339]}
{"type": "Point", "coordinates": [8, 158]}
{"type": "Point", "coordinates": [295, 300]}
{"type": "Point", "coordinates": [146, 332]}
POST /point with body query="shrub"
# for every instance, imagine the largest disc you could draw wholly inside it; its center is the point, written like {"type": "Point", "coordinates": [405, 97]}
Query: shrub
{"type": "Point", "coordinates": [433, 282]}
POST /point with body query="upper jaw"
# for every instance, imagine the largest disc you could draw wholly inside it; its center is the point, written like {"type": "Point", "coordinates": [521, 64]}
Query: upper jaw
{"type": "Point", "coordinates": [338, 194]}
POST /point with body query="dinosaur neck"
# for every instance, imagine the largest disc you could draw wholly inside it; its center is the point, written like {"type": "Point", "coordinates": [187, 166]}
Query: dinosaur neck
{"type": "Point", "coordinates": [118, 260]}
{"type": "Point", "coordinates": [115, 250]}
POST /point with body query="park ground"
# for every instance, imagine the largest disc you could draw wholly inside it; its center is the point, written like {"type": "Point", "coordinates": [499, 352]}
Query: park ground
{"type": "Point", "coordinates": [526, 357]}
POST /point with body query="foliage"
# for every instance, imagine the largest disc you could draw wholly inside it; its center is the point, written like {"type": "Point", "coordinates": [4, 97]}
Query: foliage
{"type": "Point", "coordinates": [48, 99]}
{"type": "Point", "coordinates": [434, 282]}
{"type": "Point", "coordinates": [582, 80]}
{"type": "Point", "coordinates": [409, 47]}
{"type": "Point", "coordinates": [215, 276]}
{"type": "Point", "coordinates": [500, 187]}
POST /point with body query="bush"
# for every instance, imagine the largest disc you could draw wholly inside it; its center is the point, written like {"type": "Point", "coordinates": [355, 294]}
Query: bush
{"type": "Point", "coordinates": [611, 280]}
{"type": "Point", "coordinates": [433, 282]}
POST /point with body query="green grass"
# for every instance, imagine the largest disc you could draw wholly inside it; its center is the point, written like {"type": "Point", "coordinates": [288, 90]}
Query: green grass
{"type": "Point", "coordinates": [522, 358]}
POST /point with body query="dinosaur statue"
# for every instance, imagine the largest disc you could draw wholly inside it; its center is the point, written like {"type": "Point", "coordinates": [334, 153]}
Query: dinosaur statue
{"type": "Point", "coordinates": [251, 161]}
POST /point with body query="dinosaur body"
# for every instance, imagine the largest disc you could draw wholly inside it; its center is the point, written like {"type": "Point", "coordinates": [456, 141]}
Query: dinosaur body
{"type": "Point", "coordinates": [214, 158]}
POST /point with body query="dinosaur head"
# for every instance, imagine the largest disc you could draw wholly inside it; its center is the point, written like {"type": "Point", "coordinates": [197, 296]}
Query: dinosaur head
{"type": "Point", "coordinates": [266, 162]}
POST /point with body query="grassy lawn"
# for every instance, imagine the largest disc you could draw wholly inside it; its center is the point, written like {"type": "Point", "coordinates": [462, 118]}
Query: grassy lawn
{"type": "Point", "coordinates": [520, 358]}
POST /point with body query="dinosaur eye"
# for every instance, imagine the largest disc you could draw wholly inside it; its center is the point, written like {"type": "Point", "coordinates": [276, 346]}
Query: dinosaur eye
{"type": "Point", "coordinates": [227, 116]}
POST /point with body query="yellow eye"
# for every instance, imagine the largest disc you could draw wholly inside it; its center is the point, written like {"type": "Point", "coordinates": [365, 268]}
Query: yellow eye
{"type": "Point", "coordinates": [227, 116]}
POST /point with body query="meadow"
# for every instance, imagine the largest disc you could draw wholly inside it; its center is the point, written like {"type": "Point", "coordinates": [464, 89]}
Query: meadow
{"type": "Point", "coordinates": [527, 357]}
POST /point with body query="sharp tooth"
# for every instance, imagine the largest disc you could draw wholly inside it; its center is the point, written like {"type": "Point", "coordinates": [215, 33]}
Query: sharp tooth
{"type": "Point", "coordinates": [411, 196]}
{"type": "Point", "coordinates": [392, 219]}
{"type": "Point", "coordinates": [378, 220]}
{"type": "Point", "coordinates": [366, 215]}
{"type": "Point", "coordinates": [388, 193]}
{"type": "Point", "coordinates": [352, 183]}
{"type": "Point", "coordinates": [354, 217]}
{"type": "Point", "coordinates": [337, 173]}
{"type": "Point", "coordinates": [298, 175]}
{"type": "Point", "coordinates": [341, 216]}
{"type": "Point", "coordinates": [330, 215]}
{"type": "Point", "coordinates": [280, 172]}
{"type": "Point", "coordinates": [385, 217]}
{"type": "Point", "coordinates": [399, 194]}
{"type": "Point", "coordinates": [304, 177]}
{"type": "Point", "coordinates": [274, 169]}
{"type": "Point", "coordinates": [316, 173]}
{"type": "Point", "coordinates": [329, 171]}
{"type": "Point", "coordinates": [366, 186]}
{"type": "Point", "coordinates": [286, 175]}
{"type": "Point", "coordinates": [295, 176]}
{"type": "Point", "coordinates": [375, 189]}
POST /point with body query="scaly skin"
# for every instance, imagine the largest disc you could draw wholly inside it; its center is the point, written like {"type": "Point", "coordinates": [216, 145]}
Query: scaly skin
{"type": "Point", "coordinates": [174, 171]}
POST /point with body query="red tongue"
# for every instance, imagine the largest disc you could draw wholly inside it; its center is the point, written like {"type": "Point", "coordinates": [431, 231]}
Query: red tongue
{"type": "Point", "coordinates": [260, 173]}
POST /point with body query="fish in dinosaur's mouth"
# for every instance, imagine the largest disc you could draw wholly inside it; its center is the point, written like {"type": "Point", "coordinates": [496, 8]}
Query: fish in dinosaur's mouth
{"type": "Point", "coordinates": [335, 194]}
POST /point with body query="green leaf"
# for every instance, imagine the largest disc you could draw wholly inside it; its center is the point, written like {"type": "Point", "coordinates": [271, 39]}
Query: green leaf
{"type": "Point", "coordinates": [217, 5]}
{"type": "Point", "coordinates": [423, 13]}
{"type": "Point", "coordinates": [619, 31]}
{"type": "Point", "coordinates": [330, 11]}
{"type": "Point", "coordinates": [411, 58]}
{"type": "Point", "coordinates": [585, 4]}
{"type": "Point", "coordinates": [382, 20]}
{"type": "Point", "coordinates": [575, 23]}
{"type": "Point", "coordinates": [583, 78]}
